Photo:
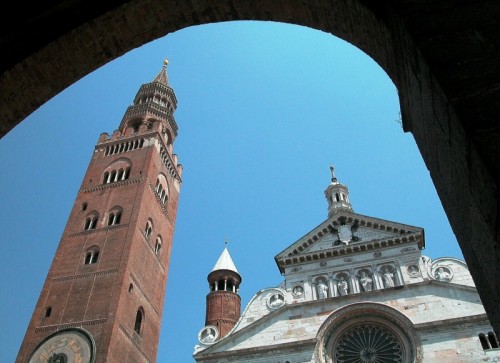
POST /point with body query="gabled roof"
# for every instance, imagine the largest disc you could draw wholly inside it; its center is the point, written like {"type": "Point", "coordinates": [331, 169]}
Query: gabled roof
{"type": "Point", "coordinates": [346, 233]}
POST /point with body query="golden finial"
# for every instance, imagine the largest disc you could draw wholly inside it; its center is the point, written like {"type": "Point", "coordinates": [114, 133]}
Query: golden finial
{"type": "Point", "coordinates": [165, 62]}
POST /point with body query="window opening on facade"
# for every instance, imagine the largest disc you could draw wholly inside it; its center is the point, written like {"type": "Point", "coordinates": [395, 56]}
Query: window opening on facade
{"type": "Point", "coordinates": [114, 218]}
{"type": "Point", "coordinates": [116, 175]}
{"type": "Point", "coordinates": [84, 206]}
{"type": "Point", "coordinates": [161, 189]}
{"type": "Point", "coordinates": [91, 222]}
{"type": "Point", "coordinates": [91, 257]}
{"type": "Point", "coordinates": [149, 229]}
{"type": "Point", "coordinates": [138, 321]}
{"type": "Point", "coordinates": [157, 245]}
{"type": "Point", "coordinates": [492, 340]}
{"type": "Point", "coordinates": [48, 311]}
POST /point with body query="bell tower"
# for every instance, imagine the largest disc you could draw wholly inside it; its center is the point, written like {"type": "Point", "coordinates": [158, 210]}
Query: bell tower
{"type": "Point", "coordinates": [102, 300]}
{"type": "Point", "coordinates": [223, 303]}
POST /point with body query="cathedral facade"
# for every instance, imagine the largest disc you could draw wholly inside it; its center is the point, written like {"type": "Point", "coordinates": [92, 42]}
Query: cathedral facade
{"type": "Point", "coordinates": [357, 289]}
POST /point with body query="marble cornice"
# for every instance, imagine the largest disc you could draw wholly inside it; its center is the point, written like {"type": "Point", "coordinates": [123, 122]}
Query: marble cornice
{"type": "Point", "coordinates": [356, 247]}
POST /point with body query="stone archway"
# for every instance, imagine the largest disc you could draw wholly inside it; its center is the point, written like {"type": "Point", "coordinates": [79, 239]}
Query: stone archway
{"type": "Point", "coordinates": [448, 102]}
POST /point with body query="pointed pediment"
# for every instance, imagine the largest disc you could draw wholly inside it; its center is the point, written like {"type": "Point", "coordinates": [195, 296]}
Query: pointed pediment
{"type": "Point", "coordinates": [347, 233]}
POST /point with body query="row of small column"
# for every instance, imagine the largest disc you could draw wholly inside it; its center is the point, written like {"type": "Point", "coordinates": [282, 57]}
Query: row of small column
{"type": "Point", "coordinates": [123, 147]}
{"type": "Point", "coordinates": [114, 176]}
{"type": "Point", "coordinates": [216, 286]}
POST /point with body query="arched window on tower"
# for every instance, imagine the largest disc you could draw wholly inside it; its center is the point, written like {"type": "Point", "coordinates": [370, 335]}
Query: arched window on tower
{"type": "Point", "coordinates": [161, 188]}
{"type": "Point", "coordinates": [157, 247]}
{"type": "Point", "coordinates": [149, 229]}
{"type": "Point", "coordinates": [115, 216]}
{"type": "Point", "coordinates": [91, 221]}
{"type": "Point", "coordinates": [117, 171]}
{"type": "Point", "coordinates": [139, 318]}
{"type": "Point", "coordinates": [105, 177]}
{"type": "Point", "coordinates": [91, 256]}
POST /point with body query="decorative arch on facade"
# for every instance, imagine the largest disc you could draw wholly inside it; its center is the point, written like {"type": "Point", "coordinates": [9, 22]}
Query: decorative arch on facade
{"type": "Point", "coordinates": [362, 332]}
{"type": "Point", "coordinates": [117, 171]}
{"type": "Point", "coordinates": [161, 188]}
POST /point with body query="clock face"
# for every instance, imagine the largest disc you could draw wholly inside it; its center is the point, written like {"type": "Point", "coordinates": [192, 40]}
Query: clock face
{"type": "Point", "coordinates": [65, 346]}
{"type": "Point", "coordinates": [345, 234]}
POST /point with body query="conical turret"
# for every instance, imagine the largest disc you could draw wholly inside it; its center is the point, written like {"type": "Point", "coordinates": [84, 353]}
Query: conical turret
{"type": "Point", "coordinates": [223, 302]}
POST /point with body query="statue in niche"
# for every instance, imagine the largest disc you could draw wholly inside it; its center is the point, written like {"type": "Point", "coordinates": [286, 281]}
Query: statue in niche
{"type": "Point", "coordinates": [388, 279]}
{"type": "Point", "coordinates": [276, 300]}
{"type": "Point", "coordinates": [342, 286]}
{"type": "Point", "coordinates": [298, 290]}
{"type": "Point", "coordinates": [442, 274]}
{"type": "Point", "coordinates": [366, 281]}
{"type": "Point", "coordinates": [208, 336]}
{"type": "Point", "coordinates": [413, 271]}
{"type": "Point", "coordinates": [322, 290]}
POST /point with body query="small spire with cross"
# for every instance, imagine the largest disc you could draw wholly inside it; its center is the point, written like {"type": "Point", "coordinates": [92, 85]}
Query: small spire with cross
{"type": "Point", "coordinates": [334, 178]}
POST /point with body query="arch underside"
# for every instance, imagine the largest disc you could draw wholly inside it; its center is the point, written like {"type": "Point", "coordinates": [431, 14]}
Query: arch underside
{"type": "Point", "coordinates": [443, 58]}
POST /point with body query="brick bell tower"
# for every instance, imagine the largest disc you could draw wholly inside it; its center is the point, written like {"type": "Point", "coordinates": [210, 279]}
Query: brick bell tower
{"type": "Point", "coordinates": [223, 304]}
{"type": "Point", "coordinates": [102, 300]}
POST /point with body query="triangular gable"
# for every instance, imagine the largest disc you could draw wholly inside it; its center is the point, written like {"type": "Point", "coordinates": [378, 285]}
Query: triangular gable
{"type": "Point", "coordinates": [346, 229]}
{"type": "Point", "coordinates": [359, 234]}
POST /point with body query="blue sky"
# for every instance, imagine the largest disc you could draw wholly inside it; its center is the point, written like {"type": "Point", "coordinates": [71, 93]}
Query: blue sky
{"type": "Point", "coordinates": [263, 110]}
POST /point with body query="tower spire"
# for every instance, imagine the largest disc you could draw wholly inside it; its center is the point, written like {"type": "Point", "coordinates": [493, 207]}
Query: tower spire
{"type": "Point", "coordinates": [162, 76]}
{"type": "Point", "coordinates": [154, 100]}
{"type": "Point", "coordinates": [337, 195]}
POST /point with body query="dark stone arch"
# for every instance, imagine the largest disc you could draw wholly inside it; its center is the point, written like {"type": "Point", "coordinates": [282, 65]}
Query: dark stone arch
{"type": "Point", "coordinates": [442, 56]}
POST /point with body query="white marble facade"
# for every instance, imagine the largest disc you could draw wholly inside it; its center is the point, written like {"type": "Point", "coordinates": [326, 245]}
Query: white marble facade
{"type": "Point", "coordinates": [366, 279]}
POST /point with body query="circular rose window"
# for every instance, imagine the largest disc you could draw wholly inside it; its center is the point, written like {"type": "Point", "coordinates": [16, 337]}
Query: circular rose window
{"type": "Point", "coordinates": [368, 333]}
{"type": "Point", "coordinates": [368, 344]}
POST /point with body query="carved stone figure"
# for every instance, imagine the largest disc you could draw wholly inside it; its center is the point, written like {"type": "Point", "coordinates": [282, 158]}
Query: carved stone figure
{"type": "Point", "coordinates": [342, 286]}
{"type": "Point", "coordinates": [366, 281]}
{"type": "Point", "coordinates": [442, 274]}
{"type": "Point", "coordinates": [276, 300]}
{"type": "Point", "coordinates": [209, 336]}
{"type": "Point", "coordinates": [388, 279]}
{"type": "Point", "coordinates": [322, 290]}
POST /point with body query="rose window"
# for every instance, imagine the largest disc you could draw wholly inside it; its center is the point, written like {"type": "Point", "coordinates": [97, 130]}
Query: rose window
{"type": "Point", "coordinates": [368, 344]}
